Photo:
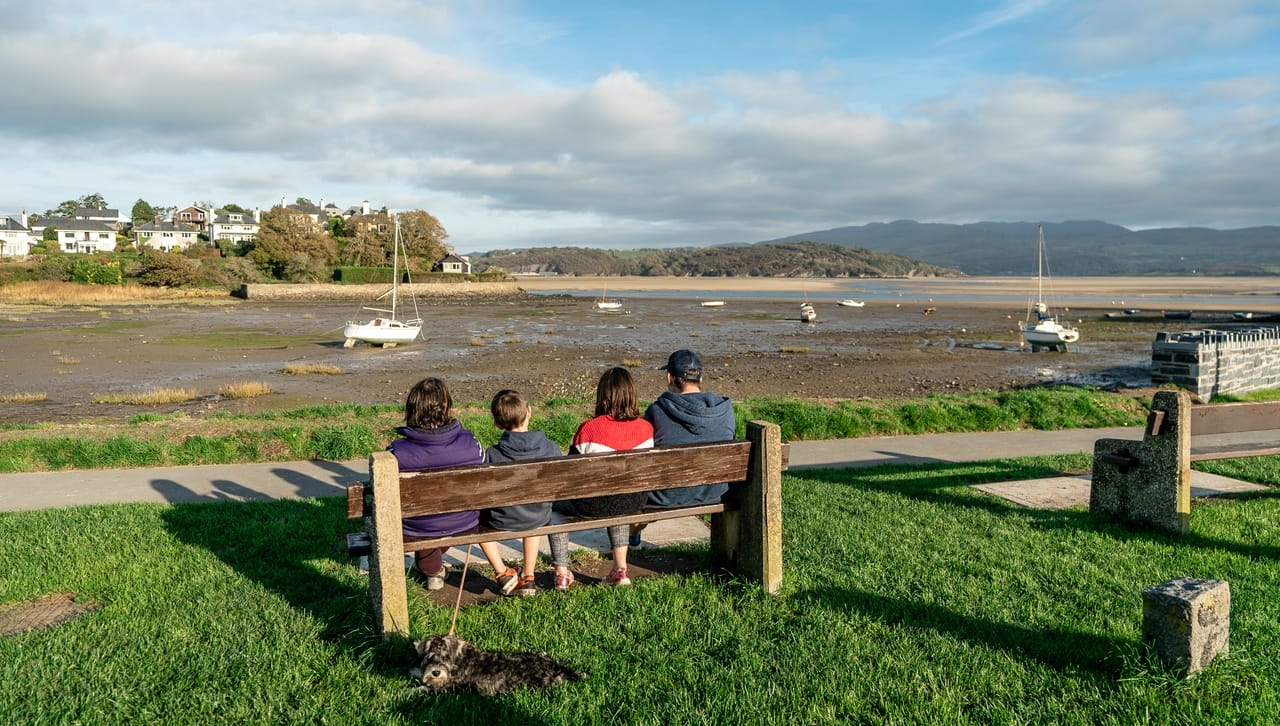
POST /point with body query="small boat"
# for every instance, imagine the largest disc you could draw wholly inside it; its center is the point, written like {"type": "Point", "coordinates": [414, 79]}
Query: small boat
{"type": "Point", "coordinates": [807, 313]}
{"type": "Point", "coordinates": [1242, 316]}
{"type": "Point", "coordinates": [1177, 314]}
{"type": "Point", "coordinates": [1131, 311]}
{"type": "Point", "coordinates": [713, 304]}
{"type": "Point", "coordinates": [1045, 331]}
{"type": "Point", "coordinates": [606, 304]}
{"type": "Point", "coordinates": [850, 304]}
{"type": "Point", "coordinates": [386, 330]}
{"type": "Point", "coordinates": [930, 311]}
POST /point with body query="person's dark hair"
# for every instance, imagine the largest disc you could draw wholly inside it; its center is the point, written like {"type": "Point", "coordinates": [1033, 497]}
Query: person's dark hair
{"type": "Point", "coordinates": [429, 405]}
{"type": "Point", "coordinates": [508, 408]}
{"type": "Point", "coordinates": [616, 395]}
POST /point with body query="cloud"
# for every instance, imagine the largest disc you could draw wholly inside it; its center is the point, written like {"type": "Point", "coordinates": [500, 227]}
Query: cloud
{"type": "Point", "coordinates": [1010, 13]}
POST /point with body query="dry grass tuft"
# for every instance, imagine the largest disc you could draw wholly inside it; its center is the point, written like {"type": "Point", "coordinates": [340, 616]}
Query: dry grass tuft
{"type": "Point", "coordinates": [23, 397]}
{"type": "Point", "coordinates": [246, 389]}
{"type": "Point", "coordinates": [302, 369]}
{"type": "Point", "coordinates": [632, 362]}
{"type": "Point", "coordinates": [477, 342]}
{"type": "Point", "coordinates": [154, 397]}
{"type": "Point", "coordinates": [63, 293]}
{"type": "Point", "coordinates": [67, 360]}
{"type": "Point", "coordinates": [798, 349]}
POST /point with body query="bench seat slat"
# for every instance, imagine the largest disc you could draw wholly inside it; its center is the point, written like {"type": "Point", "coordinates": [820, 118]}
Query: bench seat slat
{"type": "Point", "coordinates": [1233, 451]}
{"type": "Point", "coordinates": [1231, 418]}
{"type": "Point", "coordinates": [358, 543]}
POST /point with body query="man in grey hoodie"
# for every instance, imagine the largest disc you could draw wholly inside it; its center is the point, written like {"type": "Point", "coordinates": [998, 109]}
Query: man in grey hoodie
{"type": "Point", "coordinates": [685, 414]}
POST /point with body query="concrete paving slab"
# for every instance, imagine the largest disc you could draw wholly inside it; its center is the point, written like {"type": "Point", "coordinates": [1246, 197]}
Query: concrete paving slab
{"type": "Point", "coordinates": [1065, 492]}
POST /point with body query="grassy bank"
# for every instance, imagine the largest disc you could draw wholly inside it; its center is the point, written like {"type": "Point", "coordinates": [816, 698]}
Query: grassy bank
{"type": "Point", "coordinates": [908, 598]}
{"type": "Point", "coordinates": [342, 432]}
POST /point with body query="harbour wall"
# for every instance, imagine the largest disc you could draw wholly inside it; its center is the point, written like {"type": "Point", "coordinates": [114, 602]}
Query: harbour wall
{"type": "Point", "coordinates": [427, 291]}
{"type": "Point", "coordinates": [1211, 362]}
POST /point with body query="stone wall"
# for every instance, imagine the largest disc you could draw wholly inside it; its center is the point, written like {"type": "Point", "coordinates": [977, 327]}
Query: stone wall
{"type": "Point", "coordinates": [419, 290]}
{"type": "Point", "coordinates": [1210, 362]}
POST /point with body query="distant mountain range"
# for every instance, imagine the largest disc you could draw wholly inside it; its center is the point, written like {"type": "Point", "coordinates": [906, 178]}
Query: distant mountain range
{"type": "Point", "coordinates": [1073, 248]}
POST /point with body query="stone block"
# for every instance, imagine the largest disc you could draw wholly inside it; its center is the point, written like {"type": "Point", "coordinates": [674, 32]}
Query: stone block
{"type": "Point", "coordinates": [1187, 621]}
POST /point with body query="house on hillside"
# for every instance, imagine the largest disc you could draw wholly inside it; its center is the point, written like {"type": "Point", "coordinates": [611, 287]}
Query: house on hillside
{"type": "Point", "coordinates": [235, 227]}
{"type": "Point", "coordinates": [16, 239]}
{"type": "Point", "coordinates": [454, 263]}
{"type": "Point", "coordinates": [109, 217]}
{"type": "Point", "coordinates": [84, 236]}
{"type": "Point", "coordinates": [165, 236]}
{"type": "Point", "coordinates": [196, 216]}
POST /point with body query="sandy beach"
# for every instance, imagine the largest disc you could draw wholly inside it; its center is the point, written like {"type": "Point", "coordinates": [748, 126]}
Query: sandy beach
{"type": "Point", "coordinates": [556, 345]}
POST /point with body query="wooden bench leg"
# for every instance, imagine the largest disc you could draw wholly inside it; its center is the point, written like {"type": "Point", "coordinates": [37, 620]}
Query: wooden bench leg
{"type": "Point", "coordinates": [749, 540]}
{"type": "Point", "coordinates": [386, 562]}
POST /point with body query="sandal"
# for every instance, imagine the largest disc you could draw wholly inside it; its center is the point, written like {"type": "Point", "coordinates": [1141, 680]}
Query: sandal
{"type": "Point", "coordinates": [527, 587]}
{"type": "Point", "coordinates": [564, 580]}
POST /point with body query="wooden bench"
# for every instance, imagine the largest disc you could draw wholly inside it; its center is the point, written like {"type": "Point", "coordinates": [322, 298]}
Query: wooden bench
{"type": "Point", "coordinates": [746, 528]}
{"type": "Point", "coordinates": [1149, 481]}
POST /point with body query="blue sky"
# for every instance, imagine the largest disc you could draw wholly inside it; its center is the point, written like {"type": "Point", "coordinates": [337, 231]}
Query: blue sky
{"type": "Point", "coordinates": [652, 124]}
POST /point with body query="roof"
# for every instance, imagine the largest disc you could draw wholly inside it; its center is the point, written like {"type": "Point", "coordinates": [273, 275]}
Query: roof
{"type": "Point", "coordinates": [165, 227]}
{"type": "Point", "coordinates": [9, 224]}
{"type": "Point", "coordinates": [453, 258]}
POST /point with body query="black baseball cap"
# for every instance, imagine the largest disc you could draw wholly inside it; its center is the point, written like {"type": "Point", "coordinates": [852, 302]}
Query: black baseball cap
{"type": "Point", "coordinates": [684, 364]}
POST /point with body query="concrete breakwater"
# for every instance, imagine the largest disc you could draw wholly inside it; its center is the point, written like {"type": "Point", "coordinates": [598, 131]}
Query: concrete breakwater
{"type": "Point", "coordinates": [419, 290]}
{"type": "Point", "coordinates": [1215, 362]}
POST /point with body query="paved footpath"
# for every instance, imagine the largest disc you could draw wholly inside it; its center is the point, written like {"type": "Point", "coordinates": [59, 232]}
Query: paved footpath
{"type": "Point", "coordinates": [299, 479]}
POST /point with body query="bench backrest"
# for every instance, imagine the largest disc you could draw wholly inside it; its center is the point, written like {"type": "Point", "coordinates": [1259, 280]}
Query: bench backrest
{"type": "Point", "coordinates": [500, 485]}
{"type": "Point", "coordinates": [1230, 418]}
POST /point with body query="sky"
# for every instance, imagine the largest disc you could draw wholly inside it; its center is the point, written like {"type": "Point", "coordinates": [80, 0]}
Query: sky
{"type": "Point", "coordinates": [655, 124]}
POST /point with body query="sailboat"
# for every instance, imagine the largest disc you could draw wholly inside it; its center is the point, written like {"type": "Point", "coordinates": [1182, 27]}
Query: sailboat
{"type": "Point", "coordinates": [387, 329]}
{"type": "Point", "coordinates": [606, 304]}
{"type": "Point", "coordinates": [807, 313]}
{"type": "Point", "coordinates": [1045, 331]}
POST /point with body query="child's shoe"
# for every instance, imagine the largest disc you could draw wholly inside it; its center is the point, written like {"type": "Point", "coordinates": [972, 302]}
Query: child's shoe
{"type": "Point", "coordinates": [564, 580]}
{"type": "Point", "coordinates": [508, 581]}
{"type": "Point", "coordinates": [617, 577]}
{"type": "Point", "coordinates": [527, 587]}
{"type": "Point", "coordinates": [436, 581]}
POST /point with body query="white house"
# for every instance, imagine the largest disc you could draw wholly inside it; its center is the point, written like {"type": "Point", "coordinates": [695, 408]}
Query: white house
{"type": "Point", "coordinates": [235, 227]}
{"type": "Point", "coordinates": [16, 239]}
{"type": "Point", "coordinates": [77, 235]}
{"type": "Point", "coordinates": [109, 217]}
{"type": "Point", "coordinates": [166, 236]}
{"type": "Point", "coordinates": [454, 263]}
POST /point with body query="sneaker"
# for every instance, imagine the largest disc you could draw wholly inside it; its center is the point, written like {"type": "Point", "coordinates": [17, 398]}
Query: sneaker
{"type": "Point", "coordinates": [436, 581]}
{"type": "Point", "coordinates": [617, 576]}
{"type": "Point", "coordinates": [564, 580]}
{"type": "Point", "coordinates": [508, 581]}
{"type": "Point", "coordinates": [527, 587]}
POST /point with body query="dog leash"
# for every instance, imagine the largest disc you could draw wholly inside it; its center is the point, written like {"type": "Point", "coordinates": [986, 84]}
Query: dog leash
{"type": "Point", "coordinates": [462, 580]}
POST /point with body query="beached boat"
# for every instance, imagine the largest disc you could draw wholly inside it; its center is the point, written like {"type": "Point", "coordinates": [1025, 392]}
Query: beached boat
{"type": "Point", "coordinates": [1044, 331]}
{"type": "Point", "coordinates": [807, 313]}
{"type": "Point", "coordinates": [606, 304]}
{"type": "Point", "coordinates": [713, 304]}
{"type": "Point", "coordinates": [387, 329]}
{"type": "Point", "coordinates": [850, 304]}
{"type": "Point", "coordinates": [1242, 316]}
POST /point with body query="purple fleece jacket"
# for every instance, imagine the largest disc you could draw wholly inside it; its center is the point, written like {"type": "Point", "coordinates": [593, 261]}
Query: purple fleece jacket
{"type": "Point", "coordinates": [422, 449]}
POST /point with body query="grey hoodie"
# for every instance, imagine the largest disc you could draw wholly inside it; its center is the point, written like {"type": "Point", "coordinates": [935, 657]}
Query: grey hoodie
{"type": "Point", "coordinates": [520, 446]}
{"type": "Point", "coordinates": [690, 418]}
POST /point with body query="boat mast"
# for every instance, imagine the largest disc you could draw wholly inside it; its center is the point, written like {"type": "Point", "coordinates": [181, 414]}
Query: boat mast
{"type": "Point", "coordinates": [1040, 265]}
{"type": "Point", "coordinates": [395, 268]}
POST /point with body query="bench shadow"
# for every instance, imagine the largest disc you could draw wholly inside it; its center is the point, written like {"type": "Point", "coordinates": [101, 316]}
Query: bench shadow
{"type": "Point", "coordinates": [934, 488]}
{"type": "Point", "coordinates": [1056, 648]}
{"type": "Point", "coordinates": [281, 545]}
{"type": "Point", "coordinates": [299, 485]}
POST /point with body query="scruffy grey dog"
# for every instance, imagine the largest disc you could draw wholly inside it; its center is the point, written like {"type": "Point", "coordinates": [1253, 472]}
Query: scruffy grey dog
{"type": "Point", "coordinates": [450, 663]}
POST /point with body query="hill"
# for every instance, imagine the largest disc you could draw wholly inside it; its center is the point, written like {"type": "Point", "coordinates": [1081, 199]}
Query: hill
{"type": "Point", "coordinates": [1079, 248]}
{"type": "Point", "coordinates": [774, 259]}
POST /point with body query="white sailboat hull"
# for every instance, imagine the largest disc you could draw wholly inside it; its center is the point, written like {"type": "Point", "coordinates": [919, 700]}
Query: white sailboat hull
{"type": "Point", "coordinates": [608, 305]}
{"type": "Point", "coordinates": [850, 304]}
{"type": "Point", "coordinates": [382, 331]}
{"type": "Point", "coordinates": [1049, 332]}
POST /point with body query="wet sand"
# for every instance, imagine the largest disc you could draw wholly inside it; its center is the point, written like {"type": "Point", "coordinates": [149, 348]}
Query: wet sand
{"type": "Point", "coordinates": [556, 345]}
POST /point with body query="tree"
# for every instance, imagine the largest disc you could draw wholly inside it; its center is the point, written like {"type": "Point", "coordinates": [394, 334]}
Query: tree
{"type": "Point", "coordinates": [303, 202]}
{"type": "Point", "coordinates": [423, 236]}
{"type": "Point", "coordinates": [142, 212]}
{"type": "Point", "coordinates": [234, 208]}
{"type": "Point", "coordinates": [292, 246]}
{"type": "Point", "coordinates": [69, 207]}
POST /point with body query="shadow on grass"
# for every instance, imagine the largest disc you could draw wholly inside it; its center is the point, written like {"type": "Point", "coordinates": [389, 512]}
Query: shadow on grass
{"type": "Point", "coordinates": [1060, 649]}
{"type": "Point", "coordinates": [947, 484]}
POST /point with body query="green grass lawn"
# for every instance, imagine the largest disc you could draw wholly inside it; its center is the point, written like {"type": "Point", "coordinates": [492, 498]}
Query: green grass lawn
{"type": "Point", "coordinates": [907, 598]}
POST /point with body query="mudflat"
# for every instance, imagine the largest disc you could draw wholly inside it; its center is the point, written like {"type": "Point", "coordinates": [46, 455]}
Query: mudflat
{"type": "Point", "coordinates": [551, 342]}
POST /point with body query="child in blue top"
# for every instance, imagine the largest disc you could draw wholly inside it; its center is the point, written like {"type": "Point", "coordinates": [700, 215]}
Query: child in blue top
{"type": "Point", "coordinates": [511, 413]}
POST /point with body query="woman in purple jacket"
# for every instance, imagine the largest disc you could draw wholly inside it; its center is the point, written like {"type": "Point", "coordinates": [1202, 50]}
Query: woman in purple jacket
{"type": "Point", "coordinates": [434, 439]}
